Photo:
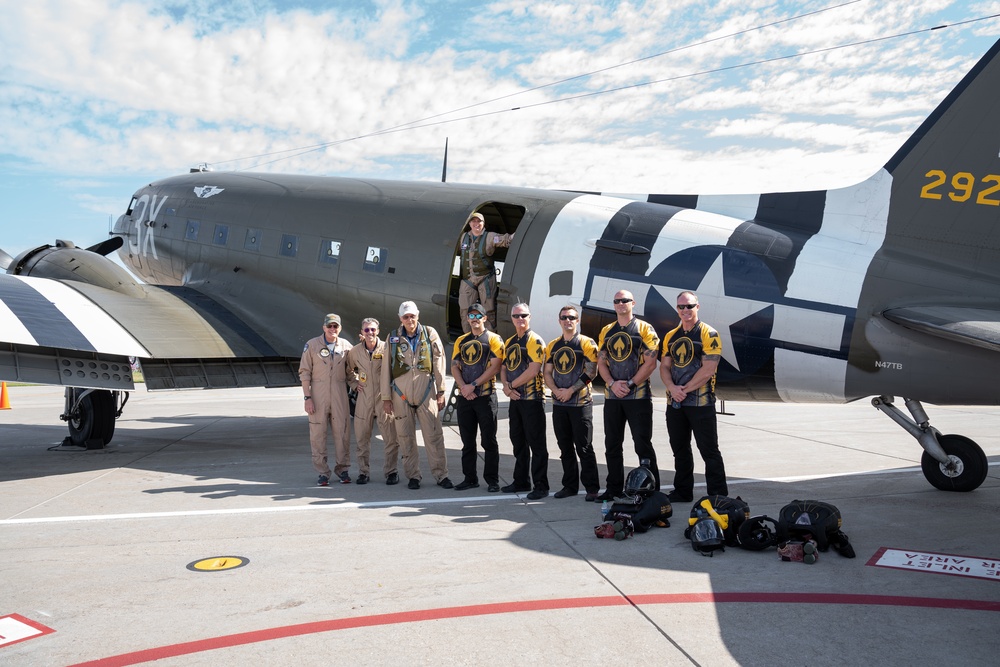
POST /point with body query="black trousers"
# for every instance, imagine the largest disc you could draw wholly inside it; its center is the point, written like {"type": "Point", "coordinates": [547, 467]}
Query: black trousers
{"type": "Point", "coordinates": [638, 414]}
{"type": "Point", "coordinates": [574, 427]}
{"type": "Point", "coordinates": [479, 414]}
{"type": "Point", "coordinates": [527, 436]}
{"type": "Point", "coordinates": [701, 421]}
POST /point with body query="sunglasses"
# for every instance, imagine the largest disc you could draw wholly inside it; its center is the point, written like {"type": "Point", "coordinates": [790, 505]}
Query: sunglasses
{"type": "Point", "coordinates": [617, 301]}
{"type": "Point", "coordinates": [567, 317]}
{"type": "Point", "coordinates": [521, 316]}
{"type": "Point", "coordinates": [332, 326]}
{"type": "Point", "coordinates": [370, 330]}
{"type": "Point", "coordinates": [476, 316]}
{"type": "Point", "coordinates": [686, 306]}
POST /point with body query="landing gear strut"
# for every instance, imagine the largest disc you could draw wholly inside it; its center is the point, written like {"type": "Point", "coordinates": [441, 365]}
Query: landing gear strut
{"type": "Point", "coordinates": [949, 462]}
{"type": "Point", "coordinates": [91, 414]}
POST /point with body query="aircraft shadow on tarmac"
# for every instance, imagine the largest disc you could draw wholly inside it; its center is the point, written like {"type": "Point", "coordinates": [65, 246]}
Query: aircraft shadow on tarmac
{"type": "Point", "coordinates": [896, 508]}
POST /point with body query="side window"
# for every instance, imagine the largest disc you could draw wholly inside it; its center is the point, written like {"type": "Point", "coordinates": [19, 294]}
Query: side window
{"type": "Point", "coordinates": [329, 251]}
{"type": "Point", "coordinates": [221, 236]}
{"type": "Point", "coordinates": [375, 259]}
{"type": "Point", "coordinates": [252, 241]}
{"type": "Point", "coordinates": [191, 231]}
{"type": "Point", "coordinates": [289, 245]}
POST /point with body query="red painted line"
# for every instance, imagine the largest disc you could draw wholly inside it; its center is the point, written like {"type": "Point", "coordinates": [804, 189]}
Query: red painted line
{"type": "Point", "coordinates": [256, 636]}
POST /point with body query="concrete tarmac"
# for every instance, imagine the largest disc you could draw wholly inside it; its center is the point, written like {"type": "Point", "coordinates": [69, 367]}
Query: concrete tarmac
{"type": "Point", "coordinates": [95, 549]}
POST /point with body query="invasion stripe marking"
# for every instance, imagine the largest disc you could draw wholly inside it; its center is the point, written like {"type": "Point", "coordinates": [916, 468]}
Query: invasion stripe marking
{"type": "Point", "coordinates": [106, 334]}
{"type": "Point", "coordinates": [46, 323]}
{"type": "Point", "coordinates": [11, 329]}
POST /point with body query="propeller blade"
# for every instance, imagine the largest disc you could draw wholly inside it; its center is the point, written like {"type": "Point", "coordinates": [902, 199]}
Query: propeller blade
{"type": "Point", "coordinates": [107, 247]}
{"type": "Point", "coordinates": [5, 260]}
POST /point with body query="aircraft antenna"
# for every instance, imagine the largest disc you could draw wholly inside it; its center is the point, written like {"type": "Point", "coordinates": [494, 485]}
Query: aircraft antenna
{"type": "Point", "coordinates": [444, 169]}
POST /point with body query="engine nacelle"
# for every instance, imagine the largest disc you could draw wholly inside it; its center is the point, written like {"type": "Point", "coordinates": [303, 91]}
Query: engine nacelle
{"type": "Point", "coordinates": [64, 261]}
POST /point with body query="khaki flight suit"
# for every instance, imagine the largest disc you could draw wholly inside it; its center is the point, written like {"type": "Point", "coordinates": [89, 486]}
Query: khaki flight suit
{"type": "Point", "coordinates": [419, 375]}
{"type": "Point", "coordinates": [326, 374]}
{"type": "Point", "coordinates": [366, 366]}
{"type": "Point", "coordinates": [479, 277]}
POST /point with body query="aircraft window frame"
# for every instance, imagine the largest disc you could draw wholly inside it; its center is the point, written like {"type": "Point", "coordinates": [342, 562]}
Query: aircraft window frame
{"type": "Point", "coordinates": [289, 245]}
{"type": "Point", "coordinates": [191, 230]}
{"type": "Point", "coordinates": [252, 240]}
{"type": "Point", "coordinates": [376, 259]}
{"type": "Point", "coordinates": [329, 251]}
{"type": "Point", "coordinates": [221, 236]}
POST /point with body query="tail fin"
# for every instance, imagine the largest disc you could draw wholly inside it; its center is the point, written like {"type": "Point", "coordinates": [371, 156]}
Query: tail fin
{"type": "Point", "coordinates": [946, 177]}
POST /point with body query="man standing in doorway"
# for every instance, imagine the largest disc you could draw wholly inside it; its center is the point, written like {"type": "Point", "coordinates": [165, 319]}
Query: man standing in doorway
{"type": "Point", "coordinates": [690, 357]}
{"type": "Point", "coordinates": [627, 350]}
{"type": "Point", "coordinates": [521, 374]}
{"type": "Point", "coordinates": [413, 391]}
{"type": "Point", "coordinates": [478, 274]}
{"type": "Point", "coordinates": [570, 366]}
{"type": "Point", "coordinates": [475, 363]}
{"type": "Point", "coordinates": [323, 372]}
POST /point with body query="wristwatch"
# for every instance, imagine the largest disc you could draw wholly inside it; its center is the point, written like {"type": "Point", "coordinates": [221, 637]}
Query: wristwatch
{"type": "Point", "coordinates": [630, 384]}
{"type": "Point", "coordinates": [306, 398]}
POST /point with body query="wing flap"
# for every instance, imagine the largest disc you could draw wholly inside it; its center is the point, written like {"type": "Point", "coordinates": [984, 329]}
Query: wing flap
{"type": "Point", "coordinates": [970, 326]}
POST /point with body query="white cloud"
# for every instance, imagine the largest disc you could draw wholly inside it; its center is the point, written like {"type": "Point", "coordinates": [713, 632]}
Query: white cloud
{"type": "Point", "coordinates": [127, 87]}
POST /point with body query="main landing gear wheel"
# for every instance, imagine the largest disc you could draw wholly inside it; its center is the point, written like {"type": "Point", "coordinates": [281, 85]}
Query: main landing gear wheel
{"type": "Point", "coordinates": [92, 424]}
{"type": "Point", "coordinates": [969, 461]}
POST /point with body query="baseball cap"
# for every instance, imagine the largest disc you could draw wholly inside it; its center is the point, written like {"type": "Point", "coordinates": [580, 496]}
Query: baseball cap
{"type": "Point", "coordinates": [332, 318]}
{"type": "Point", "coordinates": [408, 308]}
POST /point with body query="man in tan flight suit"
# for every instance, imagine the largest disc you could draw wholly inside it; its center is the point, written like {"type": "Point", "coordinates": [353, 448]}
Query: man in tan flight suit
{"type": "Point", "coordinates": [413, 390]}
{"type": "Point", "coordinates": [364, 363]}
{"type": "Point", "coordinates": [479, 277]}
{"type": "Point", "coordinates": [323, 371]}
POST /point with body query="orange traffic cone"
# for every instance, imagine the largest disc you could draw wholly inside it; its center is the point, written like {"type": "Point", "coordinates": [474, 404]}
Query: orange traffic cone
{"type": "Point", "coordinates": [4, 401]}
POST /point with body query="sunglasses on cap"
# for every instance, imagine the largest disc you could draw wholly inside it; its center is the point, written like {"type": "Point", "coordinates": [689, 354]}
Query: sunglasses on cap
{"type": "Point", "coordinates": [623, 301]}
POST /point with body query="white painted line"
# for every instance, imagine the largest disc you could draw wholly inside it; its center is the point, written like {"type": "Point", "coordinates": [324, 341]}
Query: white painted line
{"type": "Point", "coordinates": [922, 561]}
{"type": "Point", "coordinates": [335, 505]}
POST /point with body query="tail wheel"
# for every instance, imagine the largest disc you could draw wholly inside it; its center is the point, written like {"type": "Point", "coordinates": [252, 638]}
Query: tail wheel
{"type": "Point", "coordinates": [969, 462]}
{"type": "Point", "coordinates": [94, 420]}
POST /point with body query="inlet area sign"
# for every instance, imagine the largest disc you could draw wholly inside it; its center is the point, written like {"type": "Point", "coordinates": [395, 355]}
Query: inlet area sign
{"type": "Point", "coordinates": [922, 561]}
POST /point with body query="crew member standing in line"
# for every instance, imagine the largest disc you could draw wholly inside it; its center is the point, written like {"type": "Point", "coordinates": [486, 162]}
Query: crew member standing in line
{"type": "Point", "coordinates": [521, 374]}
{"type": "Point", "coordinates": [478, 274]}
{"type": "Point", "coordinates": [413, 391]}
{"type": "Point", "coordinates": [570, 365]}
{"type": "Point", "coordinates": [475, 363]}
{"type": "Point", "coordinates": [691, 356]}
{"type": "Point", "coordinates": [323, 372]}
{"type": "Point", "coordinates": [626, 357]}
{"type": "Point", "coordinates": [364, 362]}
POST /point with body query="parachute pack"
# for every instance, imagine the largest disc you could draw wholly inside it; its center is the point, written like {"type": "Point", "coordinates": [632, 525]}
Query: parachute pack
{"type": "Point", "coordinates": [650, 512]}
{"type": "Point", "coordinates": [804, 520]}
{"type": "Point", "coordinates": [715, 523]}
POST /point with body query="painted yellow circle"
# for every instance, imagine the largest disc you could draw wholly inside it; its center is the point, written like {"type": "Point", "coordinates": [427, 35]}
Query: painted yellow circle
{"type": "Point", "coordinates": [218, 563]}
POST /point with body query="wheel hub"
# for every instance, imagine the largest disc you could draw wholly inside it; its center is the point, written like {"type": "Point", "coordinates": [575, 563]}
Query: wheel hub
{"type": "Point", "coordinates": [954, 468]}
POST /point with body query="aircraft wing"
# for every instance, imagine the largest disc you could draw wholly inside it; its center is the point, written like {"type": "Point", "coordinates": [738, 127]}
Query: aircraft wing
{"type": "Point", "coordinates": [971, 326]}
{"type": "Point", "coordinates": [77, 334]}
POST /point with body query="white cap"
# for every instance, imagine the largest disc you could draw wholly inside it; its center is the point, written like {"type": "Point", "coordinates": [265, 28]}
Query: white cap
{"type": "Point", "coordinates": [408, 308]}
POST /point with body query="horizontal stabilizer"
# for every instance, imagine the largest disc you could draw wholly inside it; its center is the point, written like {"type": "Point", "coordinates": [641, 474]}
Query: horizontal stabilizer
{"type": "Point", "coordinates": [970, 326]}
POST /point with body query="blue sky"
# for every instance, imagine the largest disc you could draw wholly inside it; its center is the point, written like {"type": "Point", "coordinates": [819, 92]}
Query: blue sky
{"type": "Point", "coordinates": [100, 98]}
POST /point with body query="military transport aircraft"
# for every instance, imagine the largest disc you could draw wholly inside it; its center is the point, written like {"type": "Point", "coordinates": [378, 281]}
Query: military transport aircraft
{"type": "Point", "coordinates": [889, 287]}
